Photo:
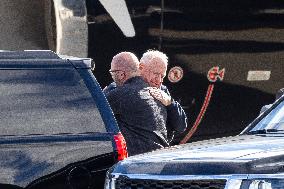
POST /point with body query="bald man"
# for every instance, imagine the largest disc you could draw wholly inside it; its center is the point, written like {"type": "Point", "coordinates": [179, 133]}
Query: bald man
{"type": "Point", "coordinates": [141, 118]}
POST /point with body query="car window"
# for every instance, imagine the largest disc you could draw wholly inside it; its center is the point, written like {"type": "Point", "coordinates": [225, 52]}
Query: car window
{"type": "Point", "coordinates": [46, 102]}
{"type": "Point", "coordinates": [274, 120]}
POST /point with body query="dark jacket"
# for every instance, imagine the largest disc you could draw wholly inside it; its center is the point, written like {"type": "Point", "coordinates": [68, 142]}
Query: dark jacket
{"type": "Point", "coordinates": [176, 117]}
{"type": "Point", "coordinates": [141, 118]}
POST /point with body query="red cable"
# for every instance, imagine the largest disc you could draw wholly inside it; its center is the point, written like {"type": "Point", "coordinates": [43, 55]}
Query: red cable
{"type": "Point", "coordinates": [200, 115]}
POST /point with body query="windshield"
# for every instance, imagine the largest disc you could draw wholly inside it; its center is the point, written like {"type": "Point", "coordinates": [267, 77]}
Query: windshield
{"type": "Point", "coordinates": [273, 121]}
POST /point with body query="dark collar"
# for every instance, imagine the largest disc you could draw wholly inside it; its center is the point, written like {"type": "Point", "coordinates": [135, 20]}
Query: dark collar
{"type": "Point", "coordinates": [136, 79]}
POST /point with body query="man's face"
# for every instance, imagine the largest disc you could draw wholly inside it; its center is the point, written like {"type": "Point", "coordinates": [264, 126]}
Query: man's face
{"type": "Point", "coordinates": [154, 73]}
{"type": "Point", "coordinates": [117, 74]}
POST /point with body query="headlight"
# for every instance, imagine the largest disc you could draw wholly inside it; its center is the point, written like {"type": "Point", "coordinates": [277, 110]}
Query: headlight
{"type": "Point", "coordinates": [263, 184]}
{"type": "Point", "coordinates": [256, 181]}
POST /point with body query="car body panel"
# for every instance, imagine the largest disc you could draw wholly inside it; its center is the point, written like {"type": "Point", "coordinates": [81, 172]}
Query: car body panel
{"type": "Point", "coordinates": [230, 155]}
{"type": "Point", "coordinates": [252, 159]}
{"type": "Point", "coordinates": [32, 157]}
{"type": "Point", "coordinates": [57, 128]}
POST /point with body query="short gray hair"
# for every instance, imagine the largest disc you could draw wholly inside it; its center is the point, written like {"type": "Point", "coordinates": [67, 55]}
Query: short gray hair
{"type": "Point", "coordinates": [127, 60]}
{"type": "Point", "coordinates": [150, 54]}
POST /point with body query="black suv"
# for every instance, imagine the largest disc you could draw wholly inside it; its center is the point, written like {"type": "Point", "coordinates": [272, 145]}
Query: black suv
{"type": "Point", "coordinates": [252, 160]}
{"type": "Point", "coordinates": [57, 129]}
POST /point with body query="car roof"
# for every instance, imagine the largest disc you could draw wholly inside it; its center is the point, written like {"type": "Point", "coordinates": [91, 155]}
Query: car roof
{"type": "Point", "coordinates": [40, 59]}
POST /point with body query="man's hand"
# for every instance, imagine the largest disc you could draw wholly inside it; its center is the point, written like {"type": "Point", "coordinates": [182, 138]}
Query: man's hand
{"type": "Point", "coordinates": [160, 95]}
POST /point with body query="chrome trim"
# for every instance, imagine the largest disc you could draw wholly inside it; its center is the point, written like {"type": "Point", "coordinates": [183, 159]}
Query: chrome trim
{"type": "Point", "coordinates": [88, 63]}
{"type": "Point", "coordinates": [266, 176]}
{"type": "Point", "coordinates": [179, 177]}
{"type": "Point", "coordinates": [232, 181]}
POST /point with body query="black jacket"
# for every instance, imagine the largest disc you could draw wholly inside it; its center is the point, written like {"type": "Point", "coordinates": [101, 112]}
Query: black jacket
{"type": "Point", "coordinates": [141, 118]}
{"type": "Point", "coordinates": [176, 117]}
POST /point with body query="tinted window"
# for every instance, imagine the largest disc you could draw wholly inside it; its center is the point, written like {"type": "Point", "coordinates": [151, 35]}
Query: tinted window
{"type": "Point", "coordinates": [274, 120]}
{"type": "Point", "coordinates": [46, 102]}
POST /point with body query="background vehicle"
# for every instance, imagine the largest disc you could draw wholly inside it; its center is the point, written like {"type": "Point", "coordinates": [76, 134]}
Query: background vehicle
{"type": "Point", "coordinates": [58, 25]}
{"type": "Point", "coordinates": [252, 159]}
{"type": "Point", "coordinates": [246, 37]}
{"type": "Point", "coordinates": [57, 129]}
{"type": "Point", "coordinates": [242, 37]}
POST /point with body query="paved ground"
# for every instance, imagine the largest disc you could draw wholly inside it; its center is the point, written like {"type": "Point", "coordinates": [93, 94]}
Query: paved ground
{"type": "Point", "coordinates": [22, 25]}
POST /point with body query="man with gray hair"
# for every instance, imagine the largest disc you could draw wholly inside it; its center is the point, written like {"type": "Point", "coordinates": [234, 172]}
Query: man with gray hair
{"type": "Point", "coordinates": [141, 118]}
{"type": "Point", "coordinates": [153, 67]}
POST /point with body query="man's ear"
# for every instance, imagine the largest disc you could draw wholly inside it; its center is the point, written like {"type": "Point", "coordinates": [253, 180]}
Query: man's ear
{"type": "Point", "coordinates": [141, 66]}
{"type": "Point", "coordinates": [123, 76]}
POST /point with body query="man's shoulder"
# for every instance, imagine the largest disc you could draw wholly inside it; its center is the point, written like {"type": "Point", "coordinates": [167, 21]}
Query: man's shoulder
{"type": "Point", "coordinates": [109, 88]}
{"type": "Point", "coordinates": [120, 90]}
{"type": "Point", "coordinates": [115, 92]}
{"type": "Point", "coordinates": [131, 87]}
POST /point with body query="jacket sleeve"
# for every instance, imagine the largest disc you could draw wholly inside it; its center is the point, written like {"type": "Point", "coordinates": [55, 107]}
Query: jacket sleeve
{"type": "Point", "coordinates": [109, 88]}
{"type": "Point", "coordinates": [114, 101]}
{"type": "Point", "coordinates": [176, 119]}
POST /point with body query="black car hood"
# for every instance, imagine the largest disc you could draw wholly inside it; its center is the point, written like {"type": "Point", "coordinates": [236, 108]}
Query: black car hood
{"type": "Point", "coordinates": [231, 155]}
